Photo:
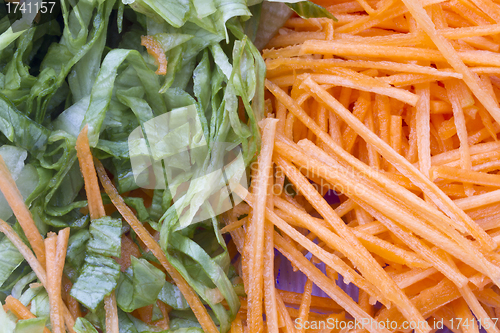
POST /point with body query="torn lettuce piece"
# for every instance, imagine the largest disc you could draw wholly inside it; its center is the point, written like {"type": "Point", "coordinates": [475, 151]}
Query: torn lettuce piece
{"type": "Point", "coordinates": [105, 237]}
{"type": "Point", "coordinates": [126, 325]}
{"type": "Point", "coordinates": [98, 279]}
{"type": "Point", "coordinates": [102, 90]}
{"type": "Point", "coordinates": [82, 325]}
{"type": "Point", "coordinates": [22, 284]}
{"type": "Point", "coordinates": [75, 255]}
{"type": "Point", "coordinates": [35, 325]}
{"type": "Point", "coordinates": [308, 9]}
{"type": "Point", "coordinates": [40, 304]}
{"type": "Point", "coordinates": [139, 286]}
{"type": "Point", "coordinates": [172, 296]}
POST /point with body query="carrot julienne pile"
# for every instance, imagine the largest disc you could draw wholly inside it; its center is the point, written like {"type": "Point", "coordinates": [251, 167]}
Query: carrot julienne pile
{"type": "Point", "coordinates": [395, 108]}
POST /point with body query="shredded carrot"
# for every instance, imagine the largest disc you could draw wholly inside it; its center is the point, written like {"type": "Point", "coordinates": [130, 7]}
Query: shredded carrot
{"type": "Point", "coordinates": [237, 325]}
{"type": "Point", "coordinates": [260, 187]}
{"type": "Point", "coordinates": [54, 284]}
{"type": "Point", "coordinates": [306, 303]}
{"type": "Point", "coordinates": [86, 161]}
{"type": "Point", "coordinates": [397, 111]}
{"type": "Point", "coordinates": [72, 303]}
{"type": "Point", "coordinates": [163, 323]}
{"type": "Point", "coordinates": [156, 51]}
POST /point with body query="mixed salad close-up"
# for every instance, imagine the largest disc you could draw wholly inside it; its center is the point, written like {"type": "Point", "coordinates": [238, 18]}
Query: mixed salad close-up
{"type": "Point", "coordinates": [249, 166]}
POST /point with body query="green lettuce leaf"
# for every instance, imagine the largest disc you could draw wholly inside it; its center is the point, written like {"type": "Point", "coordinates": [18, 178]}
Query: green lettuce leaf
{"type": "Point", "coordinates": [8, 324]}
{"type": "Point", "coordinates": [35, 325]}
{"type": "Point", "coordinates": [105, 237]}
{"type": "Point", "coordinates": [82, 325]}
{"type": "Point", "coordinates": [19, 287]}
{"type": "Point", "coordinates": [21, 130]}
{"type": "Point", "coordinates": [75, 255]}
{"type": "Point", "coordinates": [171, 295]}
{"type": "Point", "coordinates": [140, 287]}
{"type": "Point", "coordinates": [30, 294]}
{"type": "Point", "coordinates": [102, 90]}
{"type": "Point", "coordinates": [40, 305]}
{"type": "Point", "coordinates": [126, 325]}
{"type": "Point", "coordinates": [100, 273]}
{"type": "Point", "coordinates": [308, 9]}
{"type": "Point", "coordinates": [98, 279]}
{"type": "Point", "coordinates": [10, 259]}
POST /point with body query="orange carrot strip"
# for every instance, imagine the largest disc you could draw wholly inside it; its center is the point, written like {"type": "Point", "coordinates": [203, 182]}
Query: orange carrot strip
{"type": "Point", "coordinates": [476, 58]}
{"type": "Point", "coordinates": [423, 130]}
{"type": "Point", "coordinates": [359, 166]}
{"type": "Point", "coordinates": [86, 161]}
{"type": "Point", "coordinates": [305, 304]}
{"type": "Point", "coordinates": [53, 284]}
{"type": "Point", "coordinates": [284, 315]}
{"type": "Point", "coordinates": [363, 258]}
{"type": "Point", "coordinates": [198, 309]}
{"type": "Point", "coordinates": [163, 323]}
{"type": "Point", "coordinates": [474, 305]}
{"type": "Point", "coordinates": [237, 325]}
{"type": "Point", "coordinates": [460, 175]}
{"type": "Point", "coordinates": [364, 302]}
{"type": "Point", "coordinates": [112, 325]}
{"type": "Point", "coordinates": [61, 249]}
{"type": "Point", "coordinates": [269, 280]}
{"type": "Point", "coordinates": [462, 311]}
{"type": "Point", "coordinates": [459, 118]}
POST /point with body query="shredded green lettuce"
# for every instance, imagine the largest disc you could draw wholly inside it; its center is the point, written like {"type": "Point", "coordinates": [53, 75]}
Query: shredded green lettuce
{"type": "Point", "coordinates": [139, 287]}
{"type": "Point", "coordinates": [100, 273]}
